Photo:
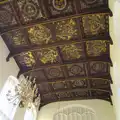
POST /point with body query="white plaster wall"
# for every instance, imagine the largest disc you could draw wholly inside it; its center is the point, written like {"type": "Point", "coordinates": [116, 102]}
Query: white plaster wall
{"type": "Point", "coordinates": [103, 109]}
{"type": "Point", "coordinates": [7, 69]}
{"type": "Point", "coordinates": [115, 54]}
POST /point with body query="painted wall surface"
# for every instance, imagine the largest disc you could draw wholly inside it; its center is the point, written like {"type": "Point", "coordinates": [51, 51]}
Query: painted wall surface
{"type": "Point", "coordinates": [103, 109]}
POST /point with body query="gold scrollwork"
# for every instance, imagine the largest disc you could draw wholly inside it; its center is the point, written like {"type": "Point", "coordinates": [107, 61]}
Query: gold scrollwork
{"type": "Point", "coordinates": [96, 48]}
{"type": "Point", "coordinates": [93, 23]}
{"type": "Point", "coordinates": [48, 55]}
{"type": "Point", "coordinates": [18, 38]}
{"type": "Point", "coordinates": [40, 34]}
{"type": "Point", "coordinates": [28, 59]}
{"type": "Point", "coordinates": [71, 51]}
{"type": "Point", "coordinates": [66, 29]}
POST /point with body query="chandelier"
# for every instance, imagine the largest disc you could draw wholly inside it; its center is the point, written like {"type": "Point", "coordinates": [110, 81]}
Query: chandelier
{"type": "Point", "coordinates": [25, 93]}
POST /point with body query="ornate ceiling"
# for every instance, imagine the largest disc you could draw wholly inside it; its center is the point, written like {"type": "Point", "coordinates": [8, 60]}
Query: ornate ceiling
{"type": "Point", "coordinates": [65, 44]}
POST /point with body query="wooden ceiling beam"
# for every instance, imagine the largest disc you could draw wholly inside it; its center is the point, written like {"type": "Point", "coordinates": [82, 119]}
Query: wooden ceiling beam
{"type": "Point", "coordinates": [80, 90]}
{"type": "Point", "coordinates": [101, 59]}
{"type": "Point", "coordinates": [18, 51]}
{"type": "Point", "coordinates": [106, 11]}
{"type": "Point", "coordinates": [106, 78]}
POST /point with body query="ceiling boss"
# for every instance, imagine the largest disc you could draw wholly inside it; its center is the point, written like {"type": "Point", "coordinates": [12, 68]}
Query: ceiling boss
{"type": "Point", "coordinates": [59, 4]}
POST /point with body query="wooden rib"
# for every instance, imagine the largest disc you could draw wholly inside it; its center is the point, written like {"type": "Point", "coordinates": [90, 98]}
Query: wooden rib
{"type": "Point", "coordinates": [79, 90]}
{"type": "Point", "coordinates": [106, 78]}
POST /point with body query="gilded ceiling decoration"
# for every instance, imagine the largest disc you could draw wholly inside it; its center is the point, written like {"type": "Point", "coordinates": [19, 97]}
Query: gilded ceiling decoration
{"type": "Point", "coordinates": [72, 51]}
{"type": "Point", "coordinates": [17, 38]}
{"type": "Point", "coordinates": [64, 44]}
{"type": "Point", "coordinates": [96, 48]}
{"type": "Point", "coordinates": [40, 35]}
{"type": "Point", "coordinates": [94, 24]}
{"type": "Point", "coordinates": [26, 59]}
{"type": "Point", "coordinates": [66, 30]}
{"type": "Point", "coordinates": [47, 55]}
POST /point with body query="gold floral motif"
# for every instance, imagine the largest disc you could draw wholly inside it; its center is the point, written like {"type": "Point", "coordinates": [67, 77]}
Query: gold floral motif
{"type": "Point", "coordinates": [71, 51]}
{"type": "Point", "coordinates": [96, 48]}
{"type": "Point", "coordinates": [18, 38]}
{"type": "Point", "coordinates": [94, 23]}
{"type": "Point", "coordinates": [40, 34]}
{"type": "Point", "coordinates": [48, 55]}
{"type": "Point", "coordinates": [65, 30]}
{"type": "Point", "coordinates": [28, 59]}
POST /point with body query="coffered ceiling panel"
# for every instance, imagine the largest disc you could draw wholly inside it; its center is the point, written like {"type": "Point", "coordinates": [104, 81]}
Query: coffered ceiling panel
{"type": "Point", "coordinates": [64, 44]}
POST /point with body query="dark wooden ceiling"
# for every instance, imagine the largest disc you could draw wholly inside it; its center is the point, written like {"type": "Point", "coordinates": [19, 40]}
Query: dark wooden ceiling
{"type": "Point", "coordinates": [65, 44]}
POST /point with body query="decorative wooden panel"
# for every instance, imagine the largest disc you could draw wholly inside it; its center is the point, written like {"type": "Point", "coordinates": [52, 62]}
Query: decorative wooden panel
{"type": "Point", "coordinates": [29, 10]}
{"type": "Point", "coordinates": [54, 72]}
{"type": "Point", "coordinates": [96, 48]}
{"type": "Point", "coordinates": [64, 44]}
{"type": "Point", "coordinates": [40, 34]}
{"type": "Point", "coordinates": [73, 52]}
{"type": "Point", "coordinates": [17, 39]}
{"type": "Point", "coordinates": [7, 17]}
{"type": "Point", "coordinates": [85, 5]}
{"type": "Point", "coordinates": [99, 68]}
{"type": "Point", "coordinates": [55, 8]}
{"type": "Point", "coordinates": [76, 69]}
{"type": "Point", "coordinates": [26, 60]}
{"type": "Point", "coordinates": [95, 24]}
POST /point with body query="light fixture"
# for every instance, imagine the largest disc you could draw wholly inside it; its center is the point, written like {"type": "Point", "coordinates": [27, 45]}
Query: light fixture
{"type": "Point", "coordinates": [25, 93]}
